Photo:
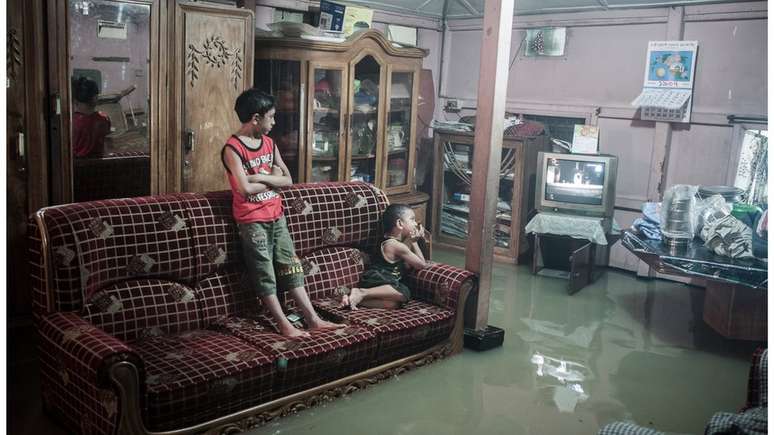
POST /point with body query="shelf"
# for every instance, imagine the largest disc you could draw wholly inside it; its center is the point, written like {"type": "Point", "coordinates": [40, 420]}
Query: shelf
{"type": "Point", "coordinates": [464, 210]}
{"type": "Point", "coordinates": [508, 177]}
{"type": "Point", "coordinates": [327, 131]}
{"type": "Point", "coordinates": [326, 111]}
{"type": "Point", "coordinates": [400, 151]}
{"type": "Point", "coordinates": [363, 157]}
{"type": "Point", "coordinates": [323, 158]}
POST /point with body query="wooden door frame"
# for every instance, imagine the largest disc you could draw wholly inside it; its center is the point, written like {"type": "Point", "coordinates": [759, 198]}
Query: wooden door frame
{"type": "Point", "coordinates": [61, 101]}
{"type": "Point", "coordinates": [172, 154]}
{"type": "Point", "coordinates": [344, 114]}
{"type": "Point", "coordinates": [35, 121]}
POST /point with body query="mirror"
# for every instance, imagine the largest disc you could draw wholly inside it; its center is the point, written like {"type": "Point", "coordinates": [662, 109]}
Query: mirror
{"type": "Point", "coordinates": [109, 48]}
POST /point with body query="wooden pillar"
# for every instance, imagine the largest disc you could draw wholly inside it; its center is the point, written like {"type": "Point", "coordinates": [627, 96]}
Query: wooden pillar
{"type": "Point", "coordinates": [662, 139]}
{"type": "Point", "coordinates": [490, 111]}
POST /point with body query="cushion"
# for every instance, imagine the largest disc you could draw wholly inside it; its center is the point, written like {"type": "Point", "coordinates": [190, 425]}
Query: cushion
{"type": "Point", "coordinates": [199, 375]}
{"type": "Point", "coordinates": [134, 309]}
{"type": "Point", "coordinates": [321, 215]}
{"type": "Point", "coordinates": [227, 293]}
{"type": "Point", "coordinates": [400, 332]}
{"type": "Point", "coordinates": [306, 362]}
{"type": "Point", "coordinates": [328, 268]}
{"type": "Point", "coordinates": [97, 244]}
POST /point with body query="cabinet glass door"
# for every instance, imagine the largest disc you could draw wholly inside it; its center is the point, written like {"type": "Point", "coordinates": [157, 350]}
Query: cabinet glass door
{"type": "Point", "coordinates": [109, 70]}
{"type": "Point", "coordinates": [364, 128]}
{"type": "Point", "coordinates": [455, 193]}
{"type": "Point", "coordinates": [325, 133]}
{"type": "Point", "coordinates": [282, 79]}
{"type": "Point", "coordinates": [399, 128]}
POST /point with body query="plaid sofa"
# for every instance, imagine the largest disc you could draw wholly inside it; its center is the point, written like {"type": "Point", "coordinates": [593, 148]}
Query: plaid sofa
{"type": "Point", "coordinates": [752, 419]}
{"type": "Point", "coordinates": [146, 323]}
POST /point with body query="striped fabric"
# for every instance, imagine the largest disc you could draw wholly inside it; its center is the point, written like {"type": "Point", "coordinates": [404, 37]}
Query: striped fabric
{"type": "Point", "coordinates": [159, 281]}
{"type": "Point", "coordinates": [751, 420]}
{"type": "Point", "coordinates": [758, 381]}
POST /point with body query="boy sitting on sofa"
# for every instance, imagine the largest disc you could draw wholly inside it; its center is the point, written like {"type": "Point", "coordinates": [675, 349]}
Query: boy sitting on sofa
{"type": "Point", "coordinates": [381, 285]}
{"type": "Point", "coordinates": [255, 168]}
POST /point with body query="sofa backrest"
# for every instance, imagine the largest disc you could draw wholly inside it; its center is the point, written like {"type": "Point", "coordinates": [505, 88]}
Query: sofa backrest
{"type": "Point", "coordinates": [185, 238]}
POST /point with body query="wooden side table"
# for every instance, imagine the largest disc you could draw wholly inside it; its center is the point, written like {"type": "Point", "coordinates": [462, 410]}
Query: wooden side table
{"type": "Point", "coordinates": [735, 297]}
{"type": "Point", "coordinates": [577, 250]}
{"type": "Point", "coordinates": [584, 260]}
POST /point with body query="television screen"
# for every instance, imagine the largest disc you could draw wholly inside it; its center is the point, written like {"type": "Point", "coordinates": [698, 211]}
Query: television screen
{"type": "Point", "coordinates": [574, 181]}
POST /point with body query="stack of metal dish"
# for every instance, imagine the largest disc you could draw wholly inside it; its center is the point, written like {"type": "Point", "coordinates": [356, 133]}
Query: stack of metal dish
{"type": "Point", "coordinates": [678, 226]}
{"type": "Point", "coordinates": [730, 193]}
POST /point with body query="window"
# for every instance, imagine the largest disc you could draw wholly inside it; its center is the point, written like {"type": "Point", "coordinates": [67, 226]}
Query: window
{"type": "Point", "coordinates": [752, 169]}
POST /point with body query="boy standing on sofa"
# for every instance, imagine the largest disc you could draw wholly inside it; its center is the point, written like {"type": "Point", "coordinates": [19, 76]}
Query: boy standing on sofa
{"type": "Point", "coordinates": [255, 168]}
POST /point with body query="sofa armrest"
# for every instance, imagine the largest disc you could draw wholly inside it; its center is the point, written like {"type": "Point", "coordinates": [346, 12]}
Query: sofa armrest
{"type": "Point", "coordinates": [82, 348]}
{"type": "Point", "coordinates": [627, 428]}
{"type": "Point", "coordinates": [439, 284]}
{"type": "Point", "coordinates": [757, 390]}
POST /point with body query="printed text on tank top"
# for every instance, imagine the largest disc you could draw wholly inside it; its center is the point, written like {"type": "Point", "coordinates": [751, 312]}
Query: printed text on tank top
{"type": "Point", "coordinates": [261, 162]}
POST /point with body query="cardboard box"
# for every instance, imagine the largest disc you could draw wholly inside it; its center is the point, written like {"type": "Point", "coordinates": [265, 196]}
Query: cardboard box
{"type": "Point", "coordinates": [331, 16]}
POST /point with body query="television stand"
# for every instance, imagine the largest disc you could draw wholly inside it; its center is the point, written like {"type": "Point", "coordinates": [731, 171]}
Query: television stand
{"type": "Point", "coordinates": [576, 248]}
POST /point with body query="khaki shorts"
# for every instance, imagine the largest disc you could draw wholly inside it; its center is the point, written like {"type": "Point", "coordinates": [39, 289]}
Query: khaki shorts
{"type": "Point", "coordinates": [270, 258]}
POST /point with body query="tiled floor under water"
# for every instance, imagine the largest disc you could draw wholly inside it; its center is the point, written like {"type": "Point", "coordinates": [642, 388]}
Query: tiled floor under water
{"type": "Point", "coordinates": [622, 348]}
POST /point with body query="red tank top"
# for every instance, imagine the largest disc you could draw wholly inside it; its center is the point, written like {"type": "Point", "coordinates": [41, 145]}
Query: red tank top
{"type": "Point", "coordinates": [89, 133]}
{"type": "Point", "coordinates": [259, 207]}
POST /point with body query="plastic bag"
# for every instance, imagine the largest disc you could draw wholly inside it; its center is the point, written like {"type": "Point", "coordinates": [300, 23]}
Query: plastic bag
{"type": "Point", "coordinates": [709, 210]}
{"type": "Point", "coordinates": [678, 212]}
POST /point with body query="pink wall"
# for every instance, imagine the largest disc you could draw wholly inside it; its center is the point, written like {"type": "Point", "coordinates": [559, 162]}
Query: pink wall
{"type": "Point", "coordinates": [603, 69]}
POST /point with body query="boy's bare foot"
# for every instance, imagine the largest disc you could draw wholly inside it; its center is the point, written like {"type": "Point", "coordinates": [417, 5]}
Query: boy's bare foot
{"type": "Point", "coordinates": [291, 331]}
{"type": "Point", "coordinates": [344, 301]}
{"type": "Point", "coordinates": [324, 324]}
{"type": "Point", "coordinates": [355, 297]}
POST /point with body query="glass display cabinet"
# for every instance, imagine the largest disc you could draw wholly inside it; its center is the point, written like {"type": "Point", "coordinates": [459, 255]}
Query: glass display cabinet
{"type": "Point", "coordinates": [451, 196]}
{"type": "Point", "coordinates": [345, 110]}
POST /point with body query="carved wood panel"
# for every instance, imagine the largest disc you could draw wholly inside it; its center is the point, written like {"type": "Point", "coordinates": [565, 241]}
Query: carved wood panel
{"type": "Point", "coordinates": [217, 47]}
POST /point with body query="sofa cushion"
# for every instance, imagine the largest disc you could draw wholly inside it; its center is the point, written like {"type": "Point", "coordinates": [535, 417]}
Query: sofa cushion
{"type": "Point", "coordinates": [99, 243]}
{"type": "Point", "coordinates": [199, 375]}
{"type": "Point", "coordinates": [328, 268]}
{"type": "Point", "coordinates": [400, 332]}
{"type": "Point", "coordinates": [215, 236]}
{"type": "Point", "coordinates": [135, 309]}
{"type": "Point", "coordinates": [227, 293]}
{"type": "Point", "coordinates": [306, 362]}
{"type": "Point", "coordinates": [322, 215]}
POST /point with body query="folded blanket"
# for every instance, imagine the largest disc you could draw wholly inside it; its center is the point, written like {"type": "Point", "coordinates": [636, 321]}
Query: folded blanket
{"type": "Point", "coordinates": [649, 225]}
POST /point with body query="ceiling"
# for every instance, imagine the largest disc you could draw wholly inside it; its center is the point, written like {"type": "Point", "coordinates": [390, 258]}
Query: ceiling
{"type": "Point", "coordinates": [456, 9]}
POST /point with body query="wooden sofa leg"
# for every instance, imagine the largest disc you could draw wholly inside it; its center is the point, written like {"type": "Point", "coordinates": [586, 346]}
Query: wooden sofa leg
{"type": "Point", "coordinates": [458, 333]}
{"type": "Point", "coordinates": [126, 378]}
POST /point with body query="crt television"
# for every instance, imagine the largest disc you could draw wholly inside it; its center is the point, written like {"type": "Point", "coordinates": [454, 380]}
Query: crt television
{"type": "Point", "coordinates": [582, 184]}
